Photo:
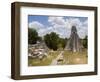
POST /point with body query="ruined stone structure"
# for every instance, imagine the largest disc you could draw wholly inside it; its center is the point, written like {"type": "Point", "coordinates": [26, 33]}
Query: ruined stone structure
{"type": "Point", "coordinates": [74, 42]}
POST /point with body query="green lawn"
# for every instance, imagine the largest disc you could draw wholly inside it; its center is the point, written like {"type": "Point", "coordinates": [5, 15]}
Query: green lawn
{"type": "Point", "coordinates": [70, 58]}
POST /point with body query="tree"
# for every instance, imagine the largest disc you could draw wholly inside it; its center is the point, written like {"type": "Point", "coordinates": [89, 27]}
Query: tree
{"type": "Point", "coordinates": [39, 38]}
{"type": "Point", "coordinates": [32, 36]}
{"type": "Point", "coordinates": [85, 40]}
{"type": "Point", "coordinates": [51, 40]}
{"type": "Point", "coordinates": [62, 43]}
{"type": "Point", "coordinates": [48, 40]}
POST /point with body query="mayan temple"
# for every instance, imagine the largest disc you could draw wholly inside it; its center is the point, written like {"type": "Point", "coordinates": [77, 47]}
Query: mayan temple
{"type": "Point", "coordinates": [74, 42]}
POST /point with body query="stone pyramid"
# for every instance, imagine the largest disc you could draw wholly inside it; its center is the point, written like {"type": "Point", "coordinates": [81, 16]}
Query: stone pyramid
{"type": "Point", "coordinates": [74, 42]}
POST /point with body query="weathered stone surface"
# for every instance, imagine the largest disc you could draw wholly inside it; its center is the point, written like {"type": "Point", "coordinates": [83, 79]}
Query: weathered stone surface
{"type": "Point", "coordinates": [74, 42]}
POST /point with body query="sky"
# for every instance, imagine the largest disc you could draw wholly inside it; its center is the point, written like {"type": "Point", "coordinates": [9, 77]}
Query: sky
{"type": "Point", "coordinates": [59, 24]}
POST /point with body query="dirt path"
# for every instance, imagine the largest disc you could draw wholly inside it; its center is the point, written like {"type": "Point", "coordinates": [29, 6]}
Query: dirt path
{"type": "Point", "coordinates": [54, 62]}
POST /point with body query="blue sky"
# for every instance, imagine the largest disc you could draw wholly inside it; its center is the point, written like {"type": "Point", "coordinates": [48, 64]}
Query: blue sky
{"type": "Point", "coordinates": [59, 24]}
{"type": "Point", "coordinates": [41, 19]}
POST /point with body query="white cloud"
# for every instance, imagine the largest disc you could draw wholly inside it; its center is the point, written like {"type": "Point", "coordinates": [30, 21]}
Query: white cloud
{"type": "Point", "coordinates": [45, 31]}
{"type": "Point", "coordinates": [61, 26]}
{"type": "Point", "coordinates": [36, 25]}
{"type": "Point", "coordinates": [56, 20]}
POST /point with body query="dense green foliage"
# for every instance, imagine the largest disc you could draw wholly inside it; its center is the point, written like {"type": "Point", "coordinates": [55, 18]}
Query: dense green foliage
{"type": "Point", "coordinates": [52, 40]}
{"type": "Point", "coordinates": [84, 42]}
{"type": "Point", "coordinates": [32, 36]}
{"type": "Point", "coordinates": [62, 43]}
